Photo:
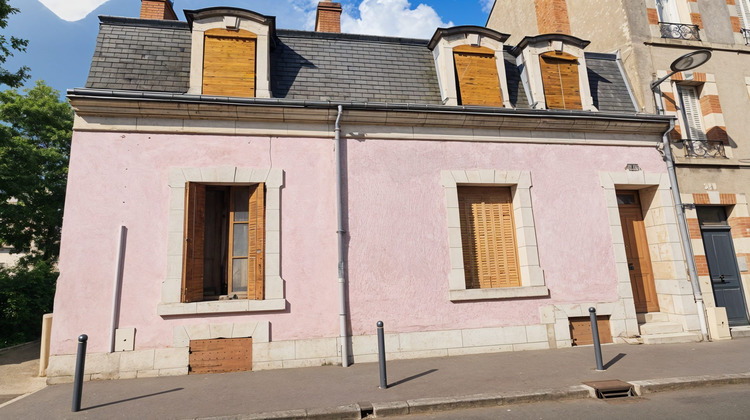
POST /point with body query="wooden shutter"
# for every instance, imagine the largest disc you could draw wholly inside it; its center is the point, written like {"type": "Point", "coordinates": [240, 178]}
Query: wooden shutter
{"type": "Point", "coordinates": [488, 237]}
{"type": "Point", "coordinates": [195, 219]}
{"type": "Point", "coordinates": [257, 242]}
{"type": "Point", "coordinates": [743, 11]}
{"type": "Point", "coordinates": [560, 80]}
{"type": "Point", "coordinates": [229, 63]}
{"type": "Point", "coordinates": [692, 112]}
{"type": "Point", "coordinates": [476, 73]}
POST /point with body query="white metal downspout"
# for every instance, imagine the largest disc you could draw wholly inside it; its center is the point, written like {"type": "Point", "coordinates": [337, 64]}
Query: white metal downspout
{"type": "Point", "coordinates": [117, 291]}
{"type": "Point", "coordinates": [682, 223]}
{"type": "Point", "coordinates": [341, 233]}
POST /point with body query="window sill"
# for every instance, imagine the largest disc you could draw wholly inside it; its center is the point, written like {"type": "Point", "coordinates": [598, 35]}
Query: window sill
{"type": "Point", "coordinates": [499, 293]}
{"type": "Point", "coordinates": [220, 307]}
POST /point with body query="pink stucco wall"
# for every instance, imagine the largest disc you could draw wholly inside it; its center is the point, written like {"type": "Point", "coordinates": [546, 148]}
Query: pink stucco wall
{"type": "Point", "coordinates": [398, 250]}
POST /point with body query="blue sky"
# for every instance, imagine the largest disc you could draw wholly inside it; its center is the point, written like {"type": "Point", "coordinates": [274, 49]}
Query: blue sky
{"type": "Point", "coordinates": [62, 42]}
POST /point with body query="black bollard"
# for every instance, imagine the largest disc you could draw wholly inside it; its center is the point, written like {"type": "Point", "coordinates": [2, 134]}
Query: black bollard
{"type": "Point", "coordinates": [597, 344]}
{"type": "Point", "coordinates": [80, 362]}
{"type": "Point", "coordinates": [381, 356]}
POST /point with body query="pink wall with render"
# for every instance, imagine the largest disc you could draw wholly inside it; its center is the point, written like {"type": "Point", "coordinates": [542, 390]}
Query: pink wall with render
{"type": "Point", "coordinates": [398, 252]}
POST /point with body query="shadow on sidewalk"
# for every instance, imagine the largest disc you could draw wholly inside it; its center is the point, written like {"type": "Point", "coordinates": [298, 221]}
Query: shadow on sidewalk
{"type": "Point", "coordinates": [418, 375]}
{"type": "Point", "coordinates": [132, 399]}
{"type": "Point", "coordinates": [614, 360]}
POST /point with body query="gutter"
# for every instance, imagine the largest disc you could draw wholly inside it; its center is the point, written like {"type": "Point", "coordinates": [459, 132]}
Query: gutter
{"type": "Point", "coordinates": [684, 232]}
{"type": "Point", "coordinates": [86, 93]}
{"type": "Point", "coordinates": [341, 233]}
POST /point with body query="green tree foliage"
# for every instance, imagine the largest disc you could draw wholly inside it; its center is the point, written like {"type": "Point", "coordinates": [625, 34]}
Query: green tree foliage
{"type": "Point", "coordinates": [35, 139]}
{"type": "Point", "coordinates": [7, 46]}
{"type": "Point", "coordinates": [26, 293]}
{"type": "Point", "coordinates": [35, 133]}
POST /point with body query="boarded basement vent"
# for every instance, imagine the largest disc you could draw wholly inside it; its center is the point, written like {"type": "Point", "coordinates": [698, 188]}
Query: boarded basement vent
{"type": "Point", "coordinates": [580, 330]}
{"type": "Point", "coordinates": [221, 355]}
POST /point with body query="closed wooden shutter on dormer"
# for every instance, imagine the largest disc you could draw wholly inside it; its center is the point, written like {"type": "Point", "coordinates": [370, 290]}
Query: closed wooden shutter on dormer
{"type": "Point", "coordinates": [488, 237]}
{"type": "Point", "coordinates": [477, 79]}
{"type": "Point", "coordinates": [229, 63]}
{"type": "Point", "coordinates": [560, 80]}
{"type": "Point", "coordinates": [194, 231]}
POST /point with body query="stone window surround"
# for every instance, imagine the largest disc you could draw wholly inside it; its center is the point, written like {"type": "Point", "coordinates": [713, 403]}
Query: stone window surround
{"type": "Point", "coordinates": [531, 71]}
{"type": "Point", "coordinates": [274, 284]}
{"type": "Point", "coordinates": [686, 311]}
{"type": "Point", "coordinates": [262, 50]}
{"type": "Point", "coordinates": [703, 88]}
{"type": "Point", "coordinates": [532, 275]}
{"type": "Point", "coordinates": [446, 67]}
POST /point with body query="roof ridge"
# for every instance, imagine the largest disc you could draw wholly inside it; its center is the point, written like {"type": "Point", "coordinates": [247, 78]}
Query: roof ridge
{"type": "Point", "coordinates": [350, 37]}
{"type": "Point", "coordinates": [148, 23]}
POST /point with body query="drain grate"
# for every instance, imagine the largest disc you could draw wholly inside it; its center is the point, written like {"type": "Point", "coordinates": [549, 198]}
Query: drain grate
{"type": "Point", "coordinates": [613, 388]}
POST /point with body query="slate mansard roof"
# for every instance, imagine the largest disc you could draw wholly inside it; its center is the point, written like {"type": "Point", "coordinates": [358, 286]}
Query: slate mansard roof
{"type": "Point", "coordinates": [154, 56]}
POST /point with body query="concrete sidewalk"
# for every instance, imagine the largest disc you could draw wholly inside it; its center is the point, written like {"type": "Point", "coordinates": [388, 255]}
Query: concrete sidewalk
{"type": "Point", "coordinates": [414, 385]}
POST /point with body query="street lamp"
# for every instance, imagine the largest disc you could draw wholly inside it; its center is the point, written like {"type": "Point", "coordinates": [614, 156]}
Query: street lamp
{"type": "Point", "coordinates": [688, 61]}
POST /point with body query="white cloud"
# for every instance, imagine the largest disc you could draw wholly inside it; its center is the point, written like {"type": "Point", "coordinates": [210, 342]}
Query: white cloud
{"type": "Point", "coordinates": [487, 5]}
{"type": "Point", "coordinates": [72, 10]}
{"type": "Point", "coordinates": [393, 18]}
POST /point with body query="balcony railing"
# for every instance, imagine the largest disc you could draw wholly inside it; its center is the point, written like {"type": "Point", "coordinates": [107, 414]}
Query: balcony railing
{"type": "Point", "coordinates": [746, 34]}
{"type": "Point", "coordinates": [704, 148]}
{"type": "Point", "coordinates": [679, 31]}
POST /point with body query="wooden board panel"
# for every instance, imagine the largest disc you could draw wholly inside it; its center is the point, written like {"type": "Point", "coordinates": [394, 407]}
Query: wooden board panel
{"type": "Point", "coordinates": [580, 330]}
{"type": "Point", "coordinates": [478, 82]}
{"type": "Point", "coordinates": [229, 64]}
{"type": "Point", "coordinates": [221, 355]}
{"type": "Point", "coordinates": [193, 246]}
{"type": "Point", "coordinates": [488, 237]}
{"type": "Point", "coordinates": [560, 81]}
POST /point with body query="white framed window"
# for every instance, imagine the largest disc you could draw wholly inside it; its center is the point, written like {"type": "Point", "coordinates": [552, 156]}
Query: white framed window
{"type": "Point", "coordinates": [668, 12]}
{"type": "Point", "coordinates": [743, 11]}
{"type": "Point", "coordinates": [691, 112]}
{"type": "Point", "coordinates": [515, 250]}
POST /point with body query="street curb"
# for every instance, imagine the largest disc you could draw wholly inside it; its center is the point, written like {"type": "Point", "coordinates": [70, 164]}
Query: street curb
{"type": "Point", "coordinates": [431, 405]}
{"type": "Point", "coordinates": [687, 382]}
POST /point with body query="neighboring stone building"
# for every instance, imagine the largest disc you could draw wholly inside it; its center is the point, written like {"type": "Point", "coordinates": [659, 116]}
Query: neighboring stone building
{"type": "Point", "coordinates": [711, 141]}
{"type": "Point", "coordinates": [282, 191]}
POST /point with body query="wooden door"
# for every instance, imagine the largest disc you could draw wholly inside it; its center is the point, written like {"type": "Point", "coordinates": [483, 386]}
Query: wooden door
{"type": "Point", "coordinates": [637, 253]}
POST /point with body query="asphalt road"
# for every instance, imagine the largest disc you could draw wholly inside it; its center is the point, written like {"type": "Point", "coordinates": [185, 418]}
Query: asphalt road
{"type": "Point", "coordinates": [725, 402]}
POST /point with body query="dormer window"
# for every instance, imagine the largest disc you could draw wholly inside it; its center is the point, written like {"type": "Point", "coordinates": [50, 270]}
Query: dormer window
{"type": "Point", "coordinates": [477, 79]}
{"type": "Point", "coordinates": [559, 72]}
{"type": "Point", "coordinates": [553, 71]}
{"type": "Point", "coordinates": [229, 63]}
{"type": "Point", "coordinates": [470, 66]}
{"type": "Point", "coordinates": [230, 52]}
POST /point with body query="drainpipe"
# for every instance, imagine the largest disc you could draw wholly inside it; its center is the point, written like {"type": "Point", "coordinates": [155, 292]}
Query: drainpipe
{"type": "Point", "coordinates": [682, 224]}
{"type": "Point", "coordinates": [341, 234]}
{"type": "Point", "coordinates": [117, 291]}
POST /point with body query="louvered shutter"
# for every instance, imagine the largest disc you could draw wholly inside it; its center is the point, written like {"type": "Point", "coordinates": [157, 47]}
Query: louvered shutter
{"type": "Point", "coordinates": [560, 81]}
{"type": "Point", "coordinates": [692, 112]}
{"type": "Point", "coordinates": [256, 242]}
{"type": "Point", "coordinates": [477, 77]}
{"type": "Point", "coordinates": [229, 63]}
{"type": "Point", "coordinates": [743, 11]}
{"type": "Point", "coordinates": [488, 237]}
{"type": "Point", "coordinates": [195, 218]}
{"type": "Point", "coordinates": [667, 10]}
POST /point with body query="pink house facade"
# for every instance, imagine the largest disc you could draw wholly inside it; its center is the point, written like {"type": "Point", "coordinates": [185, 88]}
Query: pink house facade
{"type": "Point", "coordinates": [407, 168]}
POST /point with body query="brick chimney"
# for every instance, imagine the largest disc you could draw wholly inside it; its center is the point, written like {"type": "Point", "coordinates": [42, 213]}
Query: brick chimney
{"type": "Point", "coordinates": [328, 18]}
{"type": "Point", "coordinates": [157, 9]}
{"type": "Point", "coordinates": [552, 16]}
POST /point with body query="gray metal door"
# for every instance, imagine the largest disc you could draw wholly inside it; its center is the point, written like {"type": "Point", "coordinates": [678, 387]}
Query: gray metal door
{"type": "Point", "coordinates": [725, 275]}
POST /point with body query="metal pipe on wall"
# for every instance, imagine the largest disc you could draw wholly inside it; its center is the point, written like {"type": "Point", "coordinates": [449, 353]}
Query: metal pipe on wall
{"type": "Point", "coordinates": [341, 236]}
{"type": "Point", "coordinates": [117, 291]}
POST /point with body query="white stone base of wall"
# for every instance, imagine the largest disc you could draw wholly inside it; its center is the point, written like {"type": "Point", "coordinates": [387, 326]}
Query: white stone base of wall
{"type": "Point", "coordinates": [552, 332]}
